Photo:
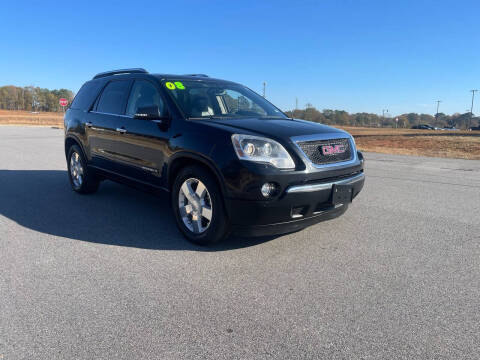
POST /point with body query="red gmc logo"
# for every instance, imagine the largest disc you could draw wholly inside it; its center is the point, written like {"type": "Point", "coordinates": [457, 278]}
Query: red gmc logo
{"type": "Point", "coordinates": [333, 149]}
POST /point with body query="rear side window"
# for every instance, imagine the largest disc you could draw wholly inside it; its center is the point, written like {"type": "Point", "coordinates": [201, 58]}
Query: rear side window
{"type": "Point", "coordinates": [114, 97]}
{"type": "Point", "coordinates": [86, 95]}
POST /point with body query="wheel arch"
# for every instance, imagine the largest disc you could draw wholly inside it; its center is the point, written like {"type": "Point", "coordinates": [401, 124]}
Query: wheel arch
{"type": "Point", "coordinates": [182, 159]}
{"type": "Point", "coordinates": [73, 140]}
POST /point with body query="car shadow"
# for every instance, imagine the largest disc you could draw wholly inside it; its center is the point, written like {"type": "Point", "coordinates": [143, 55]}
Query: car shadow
{"type": "Point", "coordinates": [42, 200]}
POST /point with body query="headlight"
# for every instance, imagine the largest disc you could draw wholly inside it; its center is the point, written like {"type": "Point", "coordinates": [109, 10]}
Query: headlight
{"type": "Point", "coordinates": [260, 149]}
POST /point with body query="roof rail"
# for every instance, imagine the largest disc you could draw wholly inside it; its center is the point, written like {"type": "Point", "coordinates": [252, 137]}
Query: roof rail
{"type": "Point", "coordinates": [121, 71]}
{"type": "Point", "coordinates": [199, 75]}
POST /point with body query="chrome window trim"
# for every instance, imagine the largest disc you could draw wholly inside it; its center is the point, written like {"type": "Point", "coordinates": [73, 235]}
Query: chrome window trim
{"type": "Point", "coordinates": [103, 113]}
{"type": "Point", "coordinates": [324, 186]}
{"type": "Point", "coordinates": [327, 136]}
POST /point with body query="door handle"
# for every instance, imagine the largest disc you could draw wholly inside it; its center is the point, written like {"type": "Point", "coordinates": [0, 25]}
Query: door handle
{"type": "Point", "coordinates": [121, 130]}
{"type": "Point", "coordinates": [88, 124]}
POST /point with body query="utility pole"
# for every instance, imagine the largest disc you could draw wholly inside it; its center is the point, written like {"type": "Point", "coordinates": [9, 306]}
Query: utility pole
{"type": "Point", "coordinates": [438, 105]}
{"type": "Point", "coordinates": [383, 115]}
{"type": "Point", "coordinates": [264, 87]}
{"type": "Point", "coordinates": [471, 108]}
{"type": "Point", "coordinates": [296, 103]}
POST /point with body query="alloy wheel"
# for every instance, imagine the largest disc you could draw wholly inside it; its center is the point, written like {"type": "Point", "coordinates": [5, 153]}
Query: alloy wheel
{"type": "Point", "coordinates": [76, 170]}
{"type": "Point", "coordinates": [195, 205]}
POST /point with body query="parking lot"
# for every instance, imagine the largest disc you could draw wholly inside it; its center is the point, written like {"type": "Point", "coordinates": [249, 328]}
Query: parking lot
{"type": "Point", "coordinates": [108, 276]}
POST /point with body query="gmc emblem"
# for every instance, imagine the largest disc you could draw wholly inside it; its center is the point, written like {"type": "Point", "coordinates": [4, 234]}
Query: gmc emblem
{"type": "Point", "coordinates": [333, 149]}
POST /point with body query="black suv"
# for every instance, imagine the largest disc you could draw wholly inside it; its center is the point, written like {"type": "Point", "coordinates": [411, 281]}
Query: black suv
{"type": "Point", "coordinates": [231, 160]}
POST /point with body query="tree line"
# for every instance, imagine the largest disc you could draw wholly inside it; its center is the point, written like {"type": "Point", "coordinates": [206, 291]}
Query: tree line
{"type": "Point", "coordinates": [340, 117]}
{"type": "Point", "coordinates": [31, 98]}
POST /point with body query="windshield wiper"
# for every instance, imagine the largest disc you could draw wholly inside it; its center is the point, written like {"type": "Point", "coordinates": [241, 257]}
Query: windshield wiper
{"type": "Point", "coordinates": [212, 117]}
{"type": "Point", "coordinates": [233, 116]}
{"type": "Point", "coordinates": [268, 117]}
{"type": "Point", "coordinates": [209, 117]}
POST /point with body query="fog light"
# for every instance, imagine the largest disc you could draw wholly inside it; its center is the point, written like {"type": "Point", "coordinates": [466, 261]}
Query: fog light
{"type": "Point", "coordinates": [268, 189]}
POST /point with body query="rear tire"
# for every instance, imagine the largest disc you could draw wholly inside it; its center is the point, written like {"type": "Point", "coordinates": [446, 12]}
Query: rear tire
{"type": "Point", "coordinates": [198, 206]}
{"type": "Point", "coordinates": [82, 179]}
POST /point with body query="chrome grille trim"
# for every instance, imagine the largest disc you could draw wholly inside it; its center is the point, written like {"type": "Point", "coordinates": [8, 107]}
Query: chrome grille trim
{"type": "Point", "coordinates": [327, 136]}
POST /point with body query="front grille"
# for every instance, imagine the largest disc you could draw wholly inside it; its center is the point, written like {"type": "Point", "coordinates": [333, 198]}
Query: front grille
{"type": "Point", "coordinates": [313, 150]}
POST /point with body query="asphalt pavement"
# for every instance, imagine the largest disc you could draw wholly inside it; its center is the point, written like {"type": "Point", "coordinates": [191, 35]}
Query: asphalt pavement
{"type": "Point", "coordinates": [108, 276]}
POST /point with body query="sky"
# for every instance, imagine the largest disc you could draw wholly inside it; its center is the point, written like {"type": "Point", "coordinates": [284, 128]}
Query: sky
{"type": "Point", "coordinates": [353, 55]}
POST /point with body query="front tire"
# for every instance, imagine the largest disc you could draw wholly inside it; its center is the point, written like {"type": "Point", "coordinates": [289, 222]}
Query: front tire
{"type": "Point", "coordinates": [198, 206]}
{"type": "Point", "coordinates": [82, 179]}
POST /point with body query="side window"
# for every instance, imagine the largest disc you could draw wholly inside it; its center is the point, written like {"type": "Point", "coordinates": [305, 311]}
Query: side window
{"type": "Point", "coordinates": [114, 97]}
{"type": "Point", "coordinates": [144, 94]}
{"type": "Point", "coordinates": [86, 95]}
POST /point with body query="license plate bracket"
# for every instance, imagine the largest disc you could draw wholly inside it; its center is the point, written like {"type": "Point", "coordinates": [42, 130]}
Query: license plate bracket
{"type": "Point", "coordinates": [342, 194]}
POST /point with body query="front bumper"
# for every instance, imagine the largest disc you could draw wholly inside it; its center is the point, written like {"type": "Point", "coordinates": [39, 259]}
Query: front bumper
{"type": "Point", "coordinates": [298, 207]}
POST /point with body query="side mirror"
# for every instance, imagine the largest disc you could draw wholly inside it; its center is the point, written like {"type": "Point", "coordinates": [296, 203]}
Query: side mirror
{"type": "Point", "coordinates": [149, 113]}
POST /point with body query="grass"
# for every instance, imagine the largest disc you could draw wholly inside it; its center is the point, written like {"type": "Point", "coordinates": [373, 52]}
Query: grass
{"type": "Point", "coordinates": [8, 117]}
{"type": "Point", "coordinates": [459, 147]}
{"type": "Point", "coordinates": [436, 143]}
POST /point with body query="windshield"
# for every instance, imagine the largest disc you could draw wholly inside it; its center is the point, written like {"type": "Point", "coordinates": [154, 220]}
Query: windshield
{"type": "Point", "coordinates": [210, 99]}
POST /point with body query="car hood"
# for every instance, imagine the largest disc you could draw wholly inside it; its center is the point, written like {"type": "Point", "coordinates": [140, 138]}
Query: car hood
{"type": "Point", "coordinates": [277, 128]}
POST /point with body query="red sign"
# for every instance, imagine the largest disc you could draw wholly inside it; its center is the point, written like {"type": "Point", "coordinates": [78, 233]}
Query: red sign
{"type": "Point", "coordinates": [63, 102]}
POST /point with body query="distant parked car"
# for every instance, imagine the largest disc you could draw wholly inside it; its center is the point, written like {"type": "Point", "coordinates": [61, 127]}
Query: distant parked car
{"type": "Point", "coordinates": [477, 128]}
{"type": "Point", "coordinates": [450, 128]}
{"type": "Point", "coordinates": [423, 127]}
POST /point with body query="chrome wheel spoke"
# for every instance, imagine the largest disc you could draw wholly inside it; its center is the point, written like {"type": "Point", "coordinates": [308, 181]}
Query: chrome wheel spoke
{"type": "Point", "coordinates": [200, 191]}
{"type": "Point", "coordinates": [188, 192]}
{"type": "Point", "coordinates": [207, 213]}
{"type": "Point", "coordinates": [197, 225]}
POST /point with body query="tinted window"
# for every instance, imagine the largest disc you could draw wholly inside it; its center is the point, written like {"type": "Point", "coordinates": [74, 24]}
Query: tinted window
{"type": "Point", "coordinates": [144, 94]}
{"type": "Point", "coordinates": [114, 97]}
{"type": "Point", "coordinates": [86, 95]}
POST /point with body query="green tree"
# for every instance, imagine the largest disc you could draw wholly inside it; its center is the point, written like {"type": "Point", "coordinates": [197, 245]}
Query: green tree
{"type": "Point", "coordinates": [31, 98]}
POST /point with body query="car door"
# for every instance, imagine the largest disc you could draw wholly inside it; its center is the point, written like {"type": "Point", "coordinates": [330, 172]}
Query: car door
{"type": "Point", "coordinates": [143, 146]}
{"type": "Point", "coordinates": [104, 122]}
